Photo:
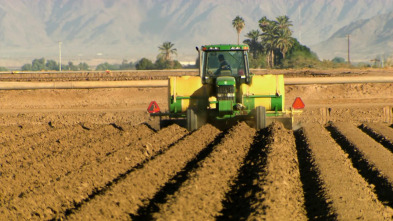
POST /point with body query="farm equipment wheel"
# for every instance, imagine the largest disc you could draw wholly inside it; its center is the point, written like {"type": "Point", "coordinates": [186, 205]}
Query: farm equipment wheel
{"type": "Point", "coordinates": [260, 117]}
{"type": "Point", "coordinates": [192, 120]}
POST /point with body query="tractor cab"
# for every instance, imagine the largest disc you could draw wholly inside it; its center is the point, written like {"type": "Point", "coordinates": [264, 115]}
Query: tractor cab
{"type": "Point", "coordinates": [224, 60]}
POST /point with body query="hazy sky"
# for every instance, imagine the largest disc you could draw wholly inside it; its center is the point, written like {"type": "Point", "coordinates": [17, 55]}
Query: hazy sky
{"type": "Point", "coordinates": [132, 29]}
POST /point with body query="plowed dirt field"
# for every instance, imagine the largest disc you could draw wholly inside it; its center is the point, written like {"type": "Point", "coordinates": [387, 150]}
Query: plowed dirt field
{"type": "Point", "coordinates": [95, 154]}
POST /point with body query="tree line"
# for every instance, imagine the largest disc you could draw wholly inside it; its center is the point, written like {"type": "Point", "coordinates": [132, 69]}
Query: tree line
{"type": "Point", "coordinates": [272, 45]}
{"type": "Point", "coordinates": [41, 64]}
{"type": "Point", "coordinates": [164, 61]}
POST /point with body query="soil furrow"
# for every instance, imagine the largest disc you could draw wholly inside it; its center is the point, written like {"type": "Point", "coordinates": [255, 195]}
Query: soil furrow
{"type": "Point", "coordinates": [373, 152]}
{"type": "Point", "coordinates": [349, 195]}
{"type": "Point", "coordinates": [280, 196]}
{"type": "Point", "coordinates": [20, 144]}
{"type": "Point", "coordinates": [379, 132]}
{"type": "Point", "coordinates": [382, 187]}
{"type": "Point", "coordinates": [237, 203]}
{"type": "Point", "coordinates": [49, 161]}
{"type": "Point", "coordinates": [14, 132]}
{"type": "Point", "coordinates": [144, 213]}
{"type": "Point", "coordinates": [52, 141]}
{"type": "Point", "coordinates": [77, 185]}
{"type": "Point", "coordinates": [316, 204]}
{"type": "Point", "coordinates": [21, 165]}
{"type": "Point", "coordinates": [140, 186]}
{"type": "Point", "coordinates": [201, 196]}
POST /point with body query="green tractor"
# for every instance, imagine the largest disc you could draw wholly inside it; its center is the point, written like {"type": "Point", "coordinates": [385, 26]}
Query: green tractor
{"type": "Point", "coordinates": [226, 92]}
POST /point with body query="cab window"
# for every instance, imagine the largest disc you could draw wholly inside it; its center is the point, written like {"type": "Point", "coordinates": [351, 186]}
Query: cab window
{"type": "Point", "coordinates": [235, 59]}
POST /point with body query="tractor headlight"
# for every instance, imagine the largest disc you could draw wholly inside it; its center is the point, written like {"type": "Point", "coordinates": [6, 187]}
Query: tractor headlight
{"type": "Point", "coordinates": [226, 95]}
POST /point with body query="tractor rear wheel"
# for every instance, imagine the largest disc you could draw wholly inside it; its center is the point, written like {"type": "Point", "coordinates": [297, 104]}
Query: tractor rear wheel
{"type": "Point", "coordinates": [260, 117]}
{"type": "Point", "coordinates": [192, 120]}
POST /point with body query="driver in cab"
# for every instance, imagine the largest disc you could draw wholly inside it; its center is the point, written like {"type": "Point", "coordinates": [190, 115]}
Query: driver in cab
{"type": "Point", "coordinates": [223, 65]}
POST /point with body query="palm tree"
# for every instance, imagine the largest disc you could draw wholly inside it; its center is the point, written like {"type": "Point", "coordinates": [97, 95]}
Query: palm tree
{"type": "Point", "coordinates": [252, 41]}
{"type": "Point", "coordinates": [284, 39]}
{"type": "Point", "coordinates": [276, 36]}
{"type": "Point", "coordinates": [166, 50]}
{"type": "Point", "coordinates": [269, 37]}
{"type": "Point", "coordinates": [284, 43]}
{"type": "Point", "coordinates": [264, 22]}
{"type": "Point", "coordinates": [283, 24]}
{"type": "Point", "coordinates": [238, 23]}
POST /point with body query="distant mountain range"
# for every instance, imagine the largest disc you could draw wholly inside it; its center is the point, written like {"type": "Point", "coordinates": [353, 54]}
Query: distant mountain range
{"type": "Point", "coordinates": [96, 30]}
{"type": "Point", "coordinates": [368, 39]}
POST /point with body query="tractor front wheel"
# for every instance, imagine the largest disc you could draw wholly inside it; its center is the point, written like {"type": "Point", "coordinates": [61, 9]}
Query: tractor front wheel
{"type": "Point", "coordinates": [260, 117]}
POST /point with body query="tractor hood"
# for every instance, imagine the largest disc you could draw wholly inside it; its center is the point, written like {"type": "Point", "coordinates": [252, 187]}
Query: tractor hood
{"type": "Point", "coordinates": [225, 80]}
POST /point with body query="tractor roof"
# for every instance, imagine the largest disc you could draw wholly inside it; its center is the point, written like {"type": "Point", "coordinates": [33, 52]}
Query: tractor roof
{"type": "Point", "coordinates": [225, 47]}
